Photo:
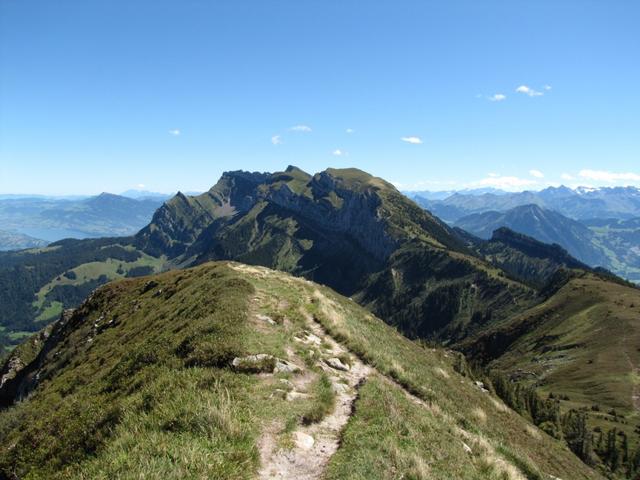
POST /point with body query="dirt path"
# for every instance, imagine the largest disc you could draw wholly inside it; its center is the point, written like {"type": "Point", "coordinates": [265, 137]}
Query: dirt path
{"type": "Point", "coordinates": [313, 445]}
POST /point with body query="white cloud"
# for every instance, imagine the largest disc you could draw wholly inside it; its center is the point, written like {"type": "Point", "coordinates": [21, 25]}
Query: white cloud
{"type": "Point", "coordinates": [300, 128]}
{"type": "Point", "coordinates": [609, 177]}
{"type": "Point", "coordinates": [528, 91]}
{"type": "Point", "coordinates": [140, 185]}
{"type": "Point", "coordinates": [350, 130]}
{"type": "Point", "coordinates": [504, 182]}
{"type": "Point", "coordinates": [547, 87]}
{"type": "Point", "coordinates": [498, 97]}
{"type": "Point", "coordinates": [566, 176]}
{"type": "Point", "coordinates": [175, 132]}
{"type": "Point", "coordinates": [412, 140]}
{"type": "Point", "coordinates": [337, 152]}
{"type": "Point", "coordinates": [536, 173]}
{"type": "Point", "coordinates": [276, 140]}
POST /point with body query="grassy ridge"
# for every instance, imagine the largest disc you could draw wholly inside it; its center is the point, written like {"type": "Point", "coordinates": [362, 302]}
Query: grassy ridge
{"type": "Point", "coordinates": [581, 345]}
{"type": "Point", "coordinates": [430, 374]}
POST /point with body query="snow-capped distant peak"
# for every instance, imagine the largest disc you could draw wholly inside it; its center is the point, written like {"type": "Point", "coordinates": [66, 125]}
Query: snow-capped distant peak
{"type": "Point", "coordinates": [584, 190]}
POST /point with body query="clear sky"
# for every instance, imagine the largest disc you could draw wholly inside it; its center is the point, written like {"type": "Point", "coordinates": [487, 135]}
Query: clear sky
{"type": "Point", "coordinates": [111, 94]}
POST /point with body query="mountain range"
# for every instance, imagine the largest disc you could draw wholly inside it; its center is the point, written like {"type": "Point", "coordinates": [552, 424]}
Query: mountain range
{"type": "Point", "coordinates": [49, 219]}
{"type": "Point", "coordinates": [583, 203]}
{"type": "Point", "coordinates": [520, 309]}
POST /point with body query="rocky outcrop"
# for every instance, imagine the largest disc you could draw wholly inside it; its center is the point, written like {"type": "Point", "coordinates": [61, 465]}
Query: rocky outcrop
{"type": "Point", "coordinates": [336, 208]}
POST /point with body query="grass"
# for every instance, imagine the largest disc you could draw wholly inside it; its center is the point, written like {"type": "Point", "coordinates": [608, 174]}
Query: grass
{"type": "Point", "coordinates": [112, 269]}
{"type": "Point", "coordinates": [140, 386]}
{"type": "Point", "coordinates": [582, 344]}
{"type": "Point", "coordinates": [388, 435]}
{"type": "Point", "coordinates": [145, 397]}
{"type": "Point", "coordinates": [431, 375]}
{"type": "Point", "coordinates": [323, 403]}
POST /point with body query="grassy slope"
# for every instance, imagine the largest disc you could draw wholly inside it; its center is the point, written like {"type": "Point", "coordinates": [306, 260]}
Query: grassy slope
{"type": "Point", "coordinates": [582, 343]}
{"type": "Point", "coordinates": [112, 269]}
{"type": "Point", "coordinates": [151, 394]}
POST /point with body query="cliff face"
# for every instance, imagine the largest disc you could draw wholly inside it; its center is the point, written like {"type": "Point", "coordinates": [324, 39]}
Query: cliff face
{"type": "Point", "coordinates": [324, 199]}
{"type": "Point", "coordinates": [335, 208]}
{"type": "Point", "coordinates": [180, 221]}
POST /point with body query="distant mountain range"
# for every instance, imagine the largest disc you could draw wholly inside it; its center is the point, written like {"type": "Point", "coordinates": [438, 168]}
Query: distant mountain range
{"type": "Point", "coordinates": [542, 224]}
{"type": "Point", "coordinates": [47, 219]}
{"type": "Point", "coordinates": [600, 227]}
{"type": "Point", "coordinates": [579, 204]}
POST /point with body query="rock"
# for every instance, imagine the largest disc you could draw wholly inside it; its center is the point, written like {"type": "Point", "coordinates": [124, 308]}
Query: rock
{"type": "Point", "coordinates": [337, 364]}
{"type": "Point", "coordinates": [309, 339]}
{"type": "Point", "coordinates": [12, 368]}
{"type": "Point", "coordinates": [258, 363]}
{"type": "Point", "coordinates": [481, 386]}
{"type": "Point", "coordinates": [148, 286]}
{"type": "Point", "coordinates": [291, 396]}
{"type": "Point", "coordinates": [283, 366]}
{"type": "Point", "coordinates": [340, 387]}
{"type": "Point", "coordinates": [303, 441]}
{"type": "Point", "coordinates": [467, 448]}
{"type": "Point", "coordinates": [266, 318]}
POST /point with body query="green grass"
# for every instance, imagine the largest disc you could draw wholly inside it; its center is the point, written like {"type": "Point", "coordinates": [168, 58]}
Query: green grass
{"type": "Point", "coordinates": [323, 403]}
{"type": "Point", "coordinates": [388, 435]}
{"type": "Point", "coordinates": [431, 375]}
{"type": "Point", "coordinates": [140, 386]}
{"type": "Point", "coordinates": [580, 345]}
{"type": "Point", "coordinates": [49, 310]}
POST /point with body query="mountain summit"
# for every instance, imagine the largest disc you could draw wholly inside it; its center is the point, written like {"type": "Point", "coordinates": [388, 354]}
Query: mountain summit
{"type": "Point", "coordinates": [343, 228]}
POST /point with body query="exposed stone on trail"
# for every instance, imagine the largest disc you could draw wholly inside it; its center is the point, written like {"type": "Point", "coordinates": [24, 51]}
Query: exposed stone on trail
{"type": "Point", "coordinates": [303, 440]}
{"type": "Point", "coordinates": [337, 364]}
{"type": "Point", "coordinates": [266, 318]}
{"type": "Point", "coordinates": [309, 338]}
{"type": "Point", "coordinates": [263, 363]}
{"type": "Point", "coordinates": [259, 363]}
{"type": "Point", "coordinates": [315, 444]}
{"type": "Point", "coordinates": [283, 366]}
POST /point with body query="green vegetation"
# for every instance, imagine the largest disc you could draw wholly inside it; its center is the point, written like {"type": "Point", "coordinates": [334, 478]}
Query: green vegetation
{"type": "Point", "coordinates": [139, 383]}
{"type": "Point", "coordinates": [323, 403]}
{"type": "Point", "coordinates": [527, 309]}
{"type": "Point", "coordinates": [388, 435]}
{"type": "Point", "coordinates": [36, 285]}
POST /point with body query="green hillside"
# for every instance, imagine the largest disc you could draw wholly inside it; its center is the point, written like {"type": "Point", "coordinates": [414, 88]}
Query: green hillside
{"type": "Point", "coordinates": [581, 346]}
{"type": "Point", "coordinates": [37, 284]}
{"type": "Point", "coordinates": [234, 371]}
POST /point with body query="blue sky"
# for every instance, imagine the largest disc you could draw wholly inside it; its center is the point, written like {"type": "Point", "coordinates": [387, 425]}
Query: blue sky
{"type": "Point", "coordinates": [107, 95]}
